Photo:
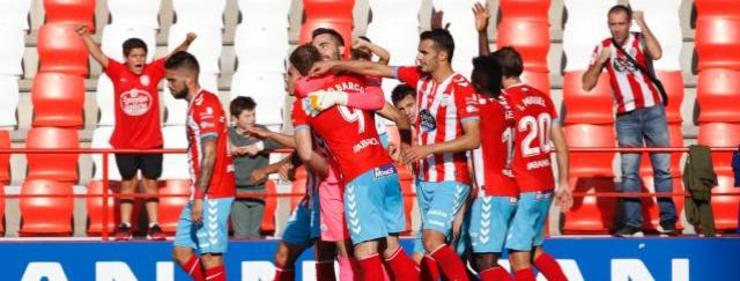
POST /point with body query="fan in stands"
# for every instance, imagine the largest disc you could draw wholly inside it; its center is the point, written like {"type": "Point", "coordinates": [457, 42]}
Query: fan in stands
{"type": "Point", "coordinates": [137, 123]}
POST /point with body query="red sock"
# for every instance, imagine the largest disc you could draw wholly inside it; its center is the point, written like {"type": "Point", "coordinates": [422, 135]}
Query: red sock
{"type": "Point", "coordinates": [216, 274]}
{"type": "Point", "coordinates": [325, 270]}
{"type": "Point", "coordinates": [496, 274]}
{"type": "Point", "coordinates": [194, 268]}
{"type": "Point", "coordinates": [401, 266]}
{"type": "Point", "coordinates": [372, 268]}
{"type": "Point", "coordinates": [284, 274]}
{"type": "Point", "coordinates": [550, 268]}
{"type": "Point", "coordinates": [524, 275]}
{"type": "Point", "coordinates": [429, 269]}
{"type": "Point", "coordinates": [450, 264]}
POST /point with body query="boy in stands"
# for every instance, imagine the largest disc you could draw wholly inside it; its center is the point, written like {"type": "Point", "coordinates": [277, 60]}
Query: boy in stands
{"type": "Point", "coordinates": [203, 224]}
{"type": "Point", "coordinates": [137, 123]}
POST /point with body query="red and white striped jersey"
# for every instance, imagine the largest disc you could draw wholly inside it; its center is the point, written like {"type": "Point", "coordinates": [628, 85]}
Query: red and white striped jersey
{"type": "Point", "coordinates": [442, 108]}
{"type": "Point", "coordinates": [493, 159]}
{"type": "Point", "coordinates": [632, 89]}
{"type": "Point", "coordinates": [207, 119]}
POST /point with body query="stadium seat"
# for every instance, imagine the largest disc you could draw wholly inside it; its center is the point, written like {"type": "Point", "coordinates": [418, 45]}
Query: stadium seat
{"type": "Point", "coordinates": [111, 42]}
{"type": "Point", "coordinates": [105, 98]}
{"type": "Point", "coordinates": [590, 164]}
{"type": "Point", "coordinates": [208, 14]}
{"type": "Point", "coordinates": [58, 100]}
{"type": "Point", "coordinates": [175, 166]}
{"type": "Point", "coordinates": [207, 48]}
{"type": "Point", "coordinates": [2, 209]}
{"type": "Point", "coordinates": [70, 12]}
{"type": "Point", "coordinates": [57, 167]}
{"type": "Point", "coordinates": [674, 87]}
{"type": "Point", "coordinates": [538, 80]}
{"type": "Point", "coordinates": [720, 135]}
{"type": "Point", "coordinates": [580, 35]}
{"type": "Point", "coordinates": [4, 159]}
{"type": "Point", "coordinates": [170, 207]}
{"type": "Point", "coordinates": [268, 219]}
{"type": "Point", "coordinates": [14, 14]}
{"type": "Point", "coordinates": [11, 52]}
{"type": "Point", "coordinates": [144, 13]}
{"type": "Point", "coordinates": [717, 39]}
{"type": "Point", "coordinates": [716, 87]}
{"type": "Point", "coordinates": [61, 50]}
{"type": "Point", "coordinates": [264, 89]}
{"type": "Point", "coordinates": [265, 12]}
{"type": "Point", "coordinates": [94, 207]}
{"type": "Point", "coordinates": [594, 107]}
{"type": "Point", "coordinates": [9, 95]}
{"type": "Point", "coordinates": [525, 9]}
{"type": "Point", "coordinates": [268, 54]}
{"type": "Point", "coordinates": [101, 140]}
{"type": "Point", "coordinates": [530, 38]}
{"type": "Point", "coordinates": [46, 216]}
{"type": "Point", "coordinates": [726, 208]}
{"type": "Point", "coordinates": [590, 214]}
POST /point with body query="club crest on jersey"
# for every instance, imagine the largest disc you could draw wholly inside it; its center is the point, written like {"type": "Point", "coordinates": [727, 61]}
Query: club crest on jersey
{"type": "Point", "coordinates": [144, 80]}
{"type": "Point", "coordinates": [427, 121]}
{"type": "Point", "coordinates": [135, 102]}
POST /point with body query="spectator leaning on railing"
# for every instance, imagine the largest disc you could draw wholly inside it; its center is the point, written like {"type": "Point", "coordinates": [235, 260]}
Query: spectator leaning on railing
{"type": "Point", "coordinates": [640, 100]}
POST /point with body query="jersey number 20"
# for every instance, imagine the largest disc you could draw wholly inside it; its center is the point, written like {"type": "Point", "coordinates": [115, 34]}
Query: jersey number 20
{"type": "Point", "coordinates": [535, 128]}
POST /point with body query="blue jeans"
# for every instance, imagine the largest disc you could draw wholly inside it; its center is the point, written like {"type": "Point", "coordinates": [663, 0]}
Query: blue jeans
{"type": "Point", "coordinates": [646, 125]}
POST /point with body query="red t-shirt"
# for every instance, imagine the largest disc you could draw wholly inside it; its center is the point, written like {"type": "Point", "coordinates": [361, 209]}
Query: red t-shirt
{"type": "Point", "coordinates": [349, 134]}
{"type": "Point", "coordinates": [492, 160]}
{"type": "Point", "coordinates": [442, 108]}
{"type": "Point", "coordinates": [206, 118]}
{"type": "Point", "coordinates": [534, 112]}
{"type": "Point", "coordinates": [137, 105]}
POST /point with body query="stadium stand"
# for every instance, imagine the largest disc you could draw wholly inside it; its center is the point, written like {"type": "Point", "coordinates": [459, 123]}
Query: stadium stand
{"type": "Point", "coordinates": [14, 15]}
{"type": "Point", "coordinates": [142, 13]}
{"type": "Point", "coordinates": [46, 215]}
{"type": "Point", "coordinates": [70, 12]}
{"type": "Point", "coordinates": [8, 101]}
{"type": "Point", "coordinates": [175, 194]}
{"type": "Point", "coordinates": [57, 167]}
{"type": "Point", "coordinates": [61, 50]}
{"type": "Point", "coordinates": [4, 160]}
{"type": "Point", "coordinates": [58, 100]}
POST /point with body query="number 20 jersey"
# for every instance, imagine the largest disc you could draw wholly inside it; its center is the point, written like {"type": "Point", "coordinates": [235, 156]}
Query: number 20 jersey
{"type": "Point", "coordinates": [349, 133]}
{"type": "Point", "coordinates": [534, 113]}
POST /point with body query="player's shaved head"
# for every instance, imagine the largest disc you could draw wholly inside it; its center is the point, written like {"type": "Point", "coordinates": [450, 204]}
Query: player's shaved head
{"type": "Point", "coordinates": [486, 76]}
{"type": "Point", "coordinates": [304, 57]}
{"type": "Point", "coordinates": [182, 61]}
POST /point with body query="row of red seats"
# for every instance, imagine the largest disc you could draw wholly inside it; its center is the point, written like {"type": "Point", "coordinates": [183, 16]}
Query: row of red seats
{"type": "Point", "coordinates": [525, 26]}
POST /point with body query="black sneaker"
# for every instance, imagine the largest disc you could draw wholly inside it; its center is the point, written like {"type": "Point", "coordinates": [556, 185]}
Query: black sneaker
{"type": "Point", "coordinates": [668, 230]}
{"type": "Point", "coordinates": [629, 231]}
{"type": "Point", "coordinates": [123, 232]}
{"type": "Point", "coordinates": [155, 233]}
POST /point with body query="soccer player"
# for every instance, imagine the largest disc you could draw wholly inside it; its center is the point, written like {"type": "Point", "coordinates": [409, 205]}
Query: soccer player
{"type": "Point", "coordinates": [536, 128]}
{"type": "Point", "coordinates": [446, 127]}
{"type": "Point", "coordinates": [373, 203]}
{"type": "Point", "coordinates": [137, 123]}
{"type": "Point", "coordinates": [203, 223]}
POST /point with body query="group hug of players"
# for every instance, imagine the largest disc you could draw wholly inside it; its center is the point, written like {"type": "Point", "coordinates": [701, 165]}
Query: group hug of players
{"type": "Point", "coordinates": [487, 141]}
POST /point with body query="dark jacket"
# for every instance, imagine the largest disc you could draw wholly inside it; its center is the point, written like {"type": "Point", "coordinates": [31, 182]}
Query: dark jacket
{"type": "Point", "coordinates": [699, 179]}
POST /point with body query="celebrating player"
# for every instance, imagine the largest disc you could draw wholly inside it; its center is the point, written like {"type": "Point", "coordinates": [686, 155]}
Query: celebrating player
{"type": "Point", "coordinates": [203, 223]}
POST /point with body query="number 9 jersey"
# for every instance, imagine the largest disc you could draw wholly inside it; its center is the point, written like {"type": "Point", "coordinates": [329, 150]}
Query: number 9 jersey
{"type": "Point", "coordinates": [349, 133]}
{"type": "Point", "coordinates": [534, 114]}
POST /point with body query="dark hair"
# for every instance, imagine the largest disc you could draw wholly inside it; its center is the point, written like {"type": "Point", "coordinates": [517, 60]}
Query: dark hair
{"type": "Point", "coordinates": [332, 32]}
{"type": "Point", "coordinates": [486, 76]}
{"type": "Point", "coordinates": [240, 104]}
{"type": "Point", "coordinates": [303, 58]}
{"type": "Point", "coordinates": [442, 40]}
{"type": "Point", "coordinates": [510, 61]}
{"type": "Point", "coordinates": [621, 8]}
{"type": "Point", "coordinates": [182, 59]}
{"type": "Point", "coordinates": [133, 43]}
{"type": "Point", "coordinates": [402, 91]}
{"type": "Point", "coordinates": [359, 54]}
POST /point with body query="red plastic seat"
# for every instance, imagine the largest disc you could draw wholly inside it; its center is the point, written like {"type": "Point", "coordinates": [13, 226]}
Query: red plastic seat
{"type": "Point", "coordinates": [673, 83]}
{"type": "Point", "coordinates": [720, 135]}
{"type": "Point", "coordinates": [591, 214]}
{"type": "Point", "coordinates": [726, 208]}
{"type": "Point", "coordinates": [717, 40]}
{"type": "Point", "coordinates": [2, 209]}
{"type": "Point", "coordinates": [61, 49]}
{"type": "Point", "coordinates": [70, 12]}
{"type": "Point", "coordinates": [58, 100]}
{"type": "Point", "coordinates": [95, 208]}
{"type": "Point", "coordinates": [593, 107]}
{"type": "Point", "coordinates": [170, 207]}
{"type": "Point", "coordinates": [4, 158]}
{"type": "Point", "coordinates": [58, 167]}
{"type": "Point", "coordinates": [334, 14]}
{"type": "Point", "coordinates": [716, 92]}
{"type": "Point", "coordinates": [525, 9]}
{"type": "Point", "coordinates": [538, 80]}
{"type": "Point", "coordinates": [268, 219]}
{"type": "Point", "coordinates": [530, 38]}
{"type": "Point", "coordinates": [590, 164]}
{"type": "Point", "coordinates": [46, 216]}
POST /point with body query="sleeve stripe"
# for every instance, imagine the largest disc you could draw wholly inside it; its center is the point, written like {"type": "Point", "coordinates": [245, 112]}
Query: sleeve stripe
{"type": "Point", "coordinates": [301, 127]}
{"type": "Point", "coordinates": [395, 72]}
{"type": "Point", "coordinates": [470, 119]}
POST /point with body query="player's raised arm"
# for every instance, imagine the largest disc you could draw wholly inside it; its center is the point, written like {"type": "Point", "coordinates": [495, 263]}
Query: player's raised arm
{"type": "Point", "coordinates": [384, 57]}
{"type": "Point", "coordinates": [304, 147]}
{"type": "Point", "coordinates": [189, 38]}
{"type": "Point", "coordinates": [91, 45]}
{"type": "Point", "coordinates": [563, 194]}
{"type": "Point", "coordinates": [365, 68]}
{"type": "Point", "coordinates": [282, 139]}
{"type": "Point", "coordinates": [481, 25]}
